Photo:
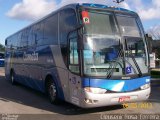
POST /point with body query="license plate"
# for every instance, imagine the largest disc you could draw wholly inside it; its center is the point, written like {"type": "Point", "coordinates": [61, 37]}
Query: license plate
{"type": "Point", "coordinates": [124, 98]}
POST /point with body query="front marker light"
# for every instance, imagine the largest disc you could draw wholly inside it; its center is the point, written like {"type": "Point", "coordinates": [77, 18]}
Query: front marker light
{"type": "Point", "coordinates": [145, 86]}
{"type": "Point", "coordinates": [95, 90]}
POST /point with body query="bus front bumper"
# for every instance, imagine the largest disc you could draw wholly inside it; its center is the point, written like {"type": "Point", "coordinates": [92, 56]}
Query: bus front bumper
{"type": "Point", "coordinates": [90, 100]}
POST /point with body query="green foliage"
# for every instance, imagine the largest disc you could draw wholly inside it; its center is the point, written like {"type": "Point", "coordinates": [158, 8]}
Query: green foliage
{"type": "Point", "coordinates": [2, 48]}
{"type": "Point", "coordinates": [158, 53]}
{"type": "Point", "coordinates": [155, 74]}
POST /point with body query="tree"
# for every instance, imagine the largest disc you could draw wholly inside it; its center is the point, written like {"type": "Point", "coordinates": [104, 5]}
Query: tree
{"type": "Point", "coordinates": [2, 48]}
{"type": "Point", "coordinates": [155, 32]}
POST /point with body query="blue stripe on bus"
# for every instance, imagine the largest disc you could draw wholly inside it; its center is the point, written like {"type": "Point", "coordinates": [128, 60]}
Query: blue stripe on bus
{"type": "Point", "coordinates": [116, 85]}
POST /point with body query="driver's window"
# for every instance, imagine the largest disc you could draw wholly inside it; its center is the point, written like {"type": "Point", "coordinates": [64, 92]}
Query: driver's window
{"type": "Point", "coordinates": [67, 23]}
{"type": "Point", "coordinates": [73, 54]}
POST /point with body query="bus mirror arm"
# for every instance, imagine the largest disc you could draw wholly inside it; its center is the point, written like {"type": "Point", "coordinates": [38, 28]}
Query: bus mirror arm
{"type": "Point", "coordinates": [79, 26]}
{"type": "Point", "coordinates": [76, 29]}
{"type": "Point", "coordinates": [79, 35]}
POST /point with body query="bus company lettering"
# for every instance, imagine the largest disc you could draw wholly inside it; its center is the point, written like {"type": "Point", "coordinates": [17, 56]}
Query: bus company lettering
{"type": "Point", "coordinates": [30, 57]}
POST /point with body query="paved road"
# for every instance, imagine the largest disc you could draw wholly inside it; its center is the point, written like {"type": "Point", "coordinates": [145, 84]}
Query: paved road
{"type": "Point", "coordinates": [22, 100]}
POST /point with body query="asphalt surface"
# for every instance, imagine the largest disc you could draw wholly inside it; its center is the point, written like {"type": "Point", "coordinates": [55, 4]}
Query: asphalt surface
{"type": "Point", "coordinates": [29, 104]}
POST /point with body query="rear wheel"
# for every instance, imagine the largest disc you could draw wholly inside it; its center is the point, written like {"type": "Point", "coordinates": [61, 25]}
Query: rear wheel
{"type": "Point", "coordinates": [12, 77]}
{"type": "Point", "coordinates": [52, 91]}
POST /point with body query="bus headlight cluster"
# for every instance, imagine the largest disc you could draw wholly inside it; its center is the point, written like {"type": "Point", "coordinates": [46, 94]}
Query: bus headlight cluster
{"type": "Point", "coordinates": [145, 86]}
{"type": "Point", "coordinates": [95, 90]}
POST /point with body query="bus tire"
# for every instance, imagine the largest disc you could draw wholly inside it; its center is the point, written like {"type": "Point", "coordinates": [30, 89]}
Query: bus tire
{"type": "Point", "coordinates": [52, 91]}
{"type": "Point", "coordinates": [12, 77]}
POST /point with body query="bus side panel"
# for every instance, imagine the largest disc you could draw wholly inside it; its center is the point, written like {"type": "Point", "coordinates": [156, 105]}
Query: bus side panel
{"type": "Point", "coordinates": [62, 72]}
{"type": "Point", "coordinates": [32, 72]}
{"type": "Point", "coordinates": [70, 84]}
{"type": "Point", "coordinates": [49, 62]}
{"type": "Point", "coordinates": [36, 66]}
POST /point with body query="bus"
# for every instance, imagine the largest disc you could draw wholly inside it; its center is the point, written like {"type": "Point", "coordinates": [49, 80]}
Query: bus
{"type": "Point", "coordinates": [90, 55]}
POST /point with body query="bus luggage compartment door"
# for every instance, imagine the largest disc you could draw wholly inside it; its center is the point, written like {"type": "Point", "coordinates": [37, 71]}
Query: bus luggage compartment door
{"type": "Point", "coordinates": [75, 89]}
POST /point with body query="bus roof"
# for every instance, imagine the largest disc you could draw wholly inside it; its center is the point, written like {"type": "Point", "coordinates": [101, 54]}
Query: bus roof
{"type": "Point", "coordinates": [100, 6]}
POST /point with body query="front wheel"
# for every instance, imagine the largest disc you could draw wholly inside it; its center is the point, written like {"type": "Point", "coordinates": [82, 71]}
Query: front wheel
{"type": "Point", "coordinates": [52, 92]}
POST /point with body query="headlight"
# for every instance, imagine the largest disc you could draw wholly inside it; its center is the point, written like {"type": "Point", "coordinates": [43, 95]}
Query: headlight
{"type": "Point", "coordinates": [145, 86]}
{"type": "Point", "coordinates": [95, 90]}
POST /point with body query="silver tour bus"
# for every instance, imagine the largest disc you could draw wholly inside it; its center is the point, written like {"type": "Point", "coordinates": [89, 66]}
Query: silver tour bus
{"type": "Point", "coordinates": [90, 55]}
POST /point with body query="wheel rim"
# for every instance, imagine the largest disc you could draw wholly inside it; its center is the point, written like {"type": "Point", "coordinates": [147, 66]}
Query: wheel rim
{"type": "Point", "coordinates": [52, 92]}
{"type": "Point", "coordinates": [12, 78]}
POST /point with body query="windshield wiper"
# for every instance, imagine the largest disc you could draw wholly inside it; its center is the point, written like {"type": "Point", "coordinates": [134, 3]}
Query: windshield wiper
{"type": "Point", "coordinates": [133, 58]}
{"type": "Point", "coordinates": [115, 62]}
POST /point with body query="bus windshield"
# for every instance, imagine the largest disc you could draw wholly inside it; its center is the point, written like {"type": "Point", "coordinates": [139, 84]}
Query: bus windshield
{"type": "Point", "coordinates": [104, 46]}
{"type": "Point", "coordinates": [135, 48]}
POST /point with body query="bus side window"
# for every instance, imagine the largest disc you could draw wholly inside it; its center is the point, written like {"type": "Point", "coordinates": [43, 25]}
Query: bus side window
{"type": "Point", "coordinates": [51, 30]}
{"type": "Point", "coordinates": [67, 23]}
{"type": "Point", "coordinates": [36, 34]}
{"type": "Point", "coordinates": [24, 38]}
{"type": "Point", "coordinates": [19, 37]}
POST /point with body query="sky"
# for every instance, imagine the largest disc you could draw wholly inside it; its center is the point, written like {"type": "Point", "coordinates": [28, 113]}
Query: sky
{"type": "Point", "coordinates": [16, 14]}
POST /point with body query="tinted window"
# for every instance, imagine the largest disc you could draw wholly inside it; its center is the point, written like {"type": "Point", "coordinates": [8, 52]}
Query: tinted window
{"type": "Point", "coordinates": [11, 42]}
{"type": "Point", "coordinates": [24, 38]}
{"type": "Point", "coordinates": [14, 41]}
{"type": "Point", "coordinates": [19, 37]}
{"type": "Point", "coordinates": [36, 34]}
{"type": "Point", "coordinates": [73, 57]}
{"type": "Point", "coordinates": [68, 22]}
{"type": "Point", "coordinates": [31, 37]}
{"type": "Point", "coordinates": [51, 30]}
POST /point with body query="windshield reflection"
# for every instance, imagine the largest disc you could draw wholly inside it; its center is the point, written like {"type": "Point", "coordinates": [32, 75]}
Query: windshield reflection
{"type": "Point", "coordinates": [105, 52]}
{"type": "Point", "coordinates": [98, 54]}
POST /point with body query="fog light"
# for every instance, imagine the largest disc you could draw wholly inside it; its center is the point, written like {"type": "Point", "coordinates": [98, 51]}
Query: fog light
{"type": "Point", "coordinates": [89, 101]}
{"type": "Point", "coordinates": [145, 86]}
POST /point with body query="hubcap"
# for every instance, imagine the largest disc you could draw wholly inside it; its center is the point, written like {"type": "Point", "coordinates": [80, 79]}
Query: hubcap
{"type": "Point", "coordinates": [52, 91]}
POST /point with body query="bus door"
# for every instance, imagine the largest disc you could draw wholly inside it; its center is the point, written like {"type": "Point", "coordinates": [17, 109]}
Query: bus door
{"type": "Point", "coordinates": [74, 67]}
